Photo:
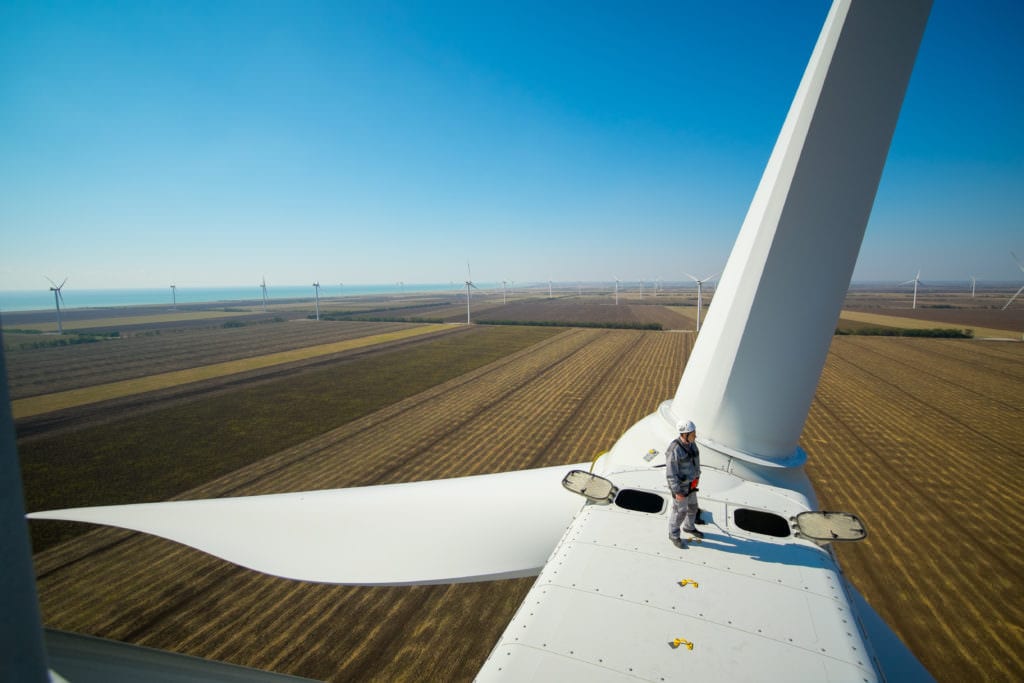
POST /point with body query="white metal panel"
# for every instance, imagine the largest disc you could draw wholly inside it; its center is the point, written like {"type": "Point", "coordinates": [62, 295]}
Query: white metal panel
{"type": "Point", "coordinates": [610, 601]}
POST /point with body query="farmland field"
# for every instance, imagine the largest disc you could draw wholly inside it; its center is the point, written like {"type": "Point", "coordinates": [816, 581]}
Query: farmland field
{"type": "Point", "coordinates": [903, 432]}
{"type": "Point", "coordinates": [46, 370]}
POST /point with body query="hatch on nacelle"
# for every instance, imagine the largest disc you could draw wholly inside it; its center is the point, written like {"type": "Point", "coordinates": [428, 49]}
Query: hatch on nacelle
{"type": "Point", "coordinates": [592, 487]}
{"type": "Point", "coordinates": [824, 527]}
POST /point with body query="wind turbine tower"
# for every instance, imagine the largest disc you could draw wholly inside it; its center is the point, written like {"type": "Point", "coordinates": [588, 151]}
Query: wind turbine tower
{"type": "Point", "coordinates": [504, 292]}
{"type": "Point", "coordinates": [1021, 266]}
{"type": "Point", "coordinates": [549, 288]}
{"type": "Point", "coordinates": [58, 297]}
{"type": "Point", "coordinates": [263, 287]}
{"type": "Point", "coordinates": [700, 295]}
{"type": "Point", "coordinates": [469, 284]}
{"type": "Point", "coordinates": [174, 297]}
{"type": "Point", "coordinates": [316, 289]}
{"type": "Point", "coordinates": [974, 281]}
{"type": "Point", "coordinates": [916, 281]}
{"type": "Point", "coordinates": [616, 291]}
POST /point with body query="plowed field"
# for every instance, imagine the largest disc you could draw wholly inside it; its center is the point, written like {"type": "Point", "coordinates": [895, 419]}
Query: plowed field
{"type": "Point", "coordinates": [920, 437]}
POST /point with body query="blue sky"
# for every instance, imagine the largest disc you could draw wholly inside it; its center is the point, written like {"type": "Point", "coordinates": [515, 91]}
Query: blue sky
{"type": "Point", "coordinates": [213, 143]}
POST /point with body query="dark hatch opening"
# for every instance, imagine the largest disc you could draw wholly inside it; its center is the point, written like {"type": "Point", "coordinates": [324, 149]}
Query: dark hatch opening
{"type": "Point", "coordinates": [759, 522]}
{"type": "Point", "coordinates": [641, 501]}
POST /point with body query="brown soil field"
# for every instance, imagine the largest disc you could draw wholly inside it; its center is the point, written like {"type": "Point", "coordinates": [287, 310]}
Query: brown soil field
{"type": "Point", "coordinates": [1011, 319]}
{"type": "Point", "coordinates": [898, 428]}
{"type": "Point", "coordinates": [569, 312]}
{"type": "Point", "coordinates": [46, 370]}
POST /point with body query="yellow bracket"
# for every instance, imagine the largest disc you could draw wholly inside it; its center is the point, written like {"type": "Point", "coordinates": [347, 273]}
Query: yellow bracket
{"type": "Point", "coordinates": [681, 641]}
{"type": "Point", "coordinates": [596, 458]}
{"type": "Point", "coordinates": [684, 582]}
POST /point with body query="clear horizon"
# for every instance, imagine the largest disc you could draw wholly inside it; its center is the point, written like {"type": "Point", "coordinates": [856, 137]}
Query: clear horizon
{"type": "Point", "coordinates": [220, 142]}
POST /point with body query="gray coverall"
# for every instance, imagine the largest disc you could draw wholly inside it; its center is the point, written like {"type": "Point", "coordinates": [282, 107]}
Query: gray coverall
{"type": "Point", "coordinates": [682, 466]}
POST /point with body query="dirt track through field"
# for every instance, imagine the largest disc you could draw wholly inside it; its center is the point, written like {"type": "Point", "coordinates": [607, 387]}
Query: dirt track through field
{"type": "Point", "coordinates": [920, 437]}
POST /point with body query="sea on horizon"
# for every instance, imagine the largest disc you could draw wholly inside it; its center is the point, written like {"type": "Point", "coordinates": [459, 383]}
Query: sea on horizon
{"type": "Point", "coordinates": [33, 300]}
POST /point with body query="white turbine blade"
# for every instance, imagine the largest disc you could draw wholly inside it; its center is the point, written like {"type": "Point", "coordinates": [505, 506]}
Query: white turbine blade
{"type": "Point", "coordinates": [51, 282]}
{"type": "Point", "coordinates": [691, 277]}
{"type": "Point", "coordinates": [904, 283]}
{"type": "Point", "coordinates": [1013, 297]}
{"type": "Point", "coordinates": [1019, 264]}
{"type": "Point", "coordinates": [473, 528]}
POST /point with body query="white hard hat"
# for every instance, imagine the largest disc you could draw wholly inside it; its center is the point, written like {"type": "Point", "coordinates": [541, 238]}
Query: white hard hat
{"type": "Point", "coordinates": [686, 427]}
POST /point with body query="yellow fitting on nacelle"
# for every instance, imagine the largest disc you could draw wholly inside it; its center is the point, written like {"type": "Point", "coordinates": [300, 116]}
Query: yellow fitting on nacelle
{"type": "Point", "coordinates": [686, 581]}
{"type": "Point", "coordinates": [681, 641]}
{"type": "Point", "coordinates": [596, 458]}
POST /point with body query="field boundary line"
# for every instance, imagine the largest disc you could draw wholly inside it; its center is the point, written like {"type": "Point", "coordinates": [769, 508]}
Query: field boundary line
{"type": "Point", "coordinates": [45, 403]}
{"type": "Point", "coordinates": [915, 324]}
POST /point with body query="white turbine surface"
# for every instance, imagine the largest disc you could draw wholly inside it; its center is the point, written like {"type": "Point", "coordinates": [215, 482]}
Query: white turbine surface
{"type": "Point", "coordinates": [316, 289]}
{"type": "Point", "coordinates": [755, 366]}
{"type": "Point", "coordinates": [1021, 266]}
{"type": "Point", "coordinates": [469, 529]}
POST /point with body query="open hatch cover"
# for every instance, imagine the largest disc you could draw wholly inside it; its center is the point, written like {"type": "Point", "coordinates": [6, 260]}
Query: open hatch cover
{"type": "Point", "coordinates": [592, 487]}
{"type": "Point", "coordinates": [825, 527]}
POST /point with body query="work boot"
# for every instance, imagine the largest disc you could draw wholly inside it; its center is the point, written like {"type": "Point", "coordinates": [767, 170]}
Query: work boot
{"type": "Point", "coordinates": [694, 533]}
{"type": "Point", "coordinates": [699, 519]}
{"type": "Point", "coordinates": [677, 542]}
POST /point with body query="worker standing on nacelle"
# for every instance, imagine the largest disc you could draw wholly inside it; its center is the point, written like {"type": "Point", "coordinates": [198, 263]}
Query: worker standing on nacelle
{"type": "Point", "coordinates": [682, 468]}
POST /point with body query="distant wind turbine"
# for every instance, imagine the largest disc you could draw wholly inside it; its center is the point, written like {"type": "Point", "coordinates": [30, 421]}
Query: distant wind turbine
{"type": "Point", "coordinates": [174, 297]}
{"type": "Point", "coordinates": [263, 286]}
{"type": "Point", "coordinates": [549, 288]}
{"type": "Point", "coordinates": [616, 291]}
{"type": "Point", "coordinates": [917, 281]}
{"type": "Point", "coordinates": [974, 281]}
{"type": "Point", "coordinates": [316, 288]}
{"type": "Point", "coordinates": [1021, 266]}
{"type": "Point", "coordinates": [504, 293]}
{"type": "Point", "coordinates": [58, 297]}
{"type": "Point", "coordinates": [700, 294]}
{"type": "Point", "coordinates": [469, 284]}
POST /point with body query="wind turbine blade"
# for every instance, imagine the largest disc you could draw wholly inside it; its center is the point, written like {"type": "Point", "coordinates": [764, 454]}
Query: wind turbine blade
{"type": "Point", "coordinates": [1019, 264]}
{"type": "Point", "coordinates": [1013, 297]}
{"type": "Point", "coordinates": [51, 282]}
{"type": "Point", "coordinates": [63, 283]}
{"type": "Point", "coordinates": [324, 536]}
{"type": "Point", "coordinates": [691, 277]}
